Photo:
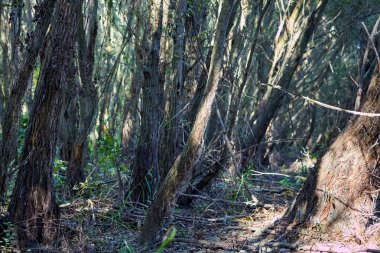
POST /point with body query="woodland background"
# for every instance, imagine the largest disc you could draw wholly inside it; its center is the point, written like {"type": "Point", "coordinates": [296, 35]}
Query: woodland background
{"type": "Point", "coordinates": [125, 120]}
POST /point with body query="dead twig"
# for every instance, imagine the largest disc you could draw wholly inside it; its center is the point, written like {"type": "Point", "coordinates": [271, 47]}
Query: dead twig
{"type": "Point", "coordinates": [229, 202]}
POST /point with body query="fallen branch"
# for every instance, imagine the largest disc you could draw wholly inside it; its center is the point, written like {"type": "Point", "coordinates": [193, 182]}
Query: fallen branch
{"type": "Point", "coordinates": [229, 202]}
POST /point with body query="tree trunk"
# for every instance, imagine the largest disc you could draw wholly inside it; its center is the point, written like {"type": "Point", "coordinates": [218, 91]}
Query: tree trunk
{"type": "Point", "coordinates": [170, 145]}
{"type": "Point", "coordinates": [130, 112]}
{"type": "Point", "coordinates": [8, 146]}
{"type": "Point", "coordinates": [233, 109]}
{"type": "Point", "coordinates": [88, 101]}
{"type": "Point", "coordinates": [5, 61]}
{"type": "Point", "coordinates": [69, 119]}
{"type": "Point", "coordinates": [130, 116]}
{"type": "Point", "coordinates": [145, 174]}
{"type": "Point", "coordinates": [285, 64]}
{"type": "Point", "coordinates": [15, 20]}
{"type": "Point", "coordinates": [340, 192]}
{"type": "Point", "coordinates": [33, 207]}
{"type": "Point", "coordinates": [179, 175]}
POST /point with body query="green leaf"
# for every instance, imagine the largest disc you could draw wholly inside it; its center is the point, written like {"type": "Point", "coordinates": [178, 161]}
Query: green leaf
{"type": "Point", "coordinates": [167, 241]}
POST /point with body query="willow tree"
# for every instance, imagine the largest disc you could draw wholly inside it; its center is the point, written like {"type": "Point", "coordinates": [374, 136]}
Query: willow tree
{"type": "Point", "coordinates": [180, 173]}
{"type": "Point", "coordinates": [33, 207]}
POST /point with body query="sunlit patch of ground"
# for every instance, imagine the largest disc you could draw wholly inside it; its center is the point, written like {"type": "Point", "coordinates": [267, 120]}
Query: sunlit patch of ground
{"type": "Point", "coordinates": [222, 220]}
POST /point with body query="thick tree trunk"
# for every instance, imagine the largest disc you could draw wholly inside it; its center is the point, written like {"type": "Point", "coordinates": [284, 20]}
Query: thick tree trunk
{"type": "Point", "coordinates": [33, 207]}
{"type": "Point", "coordinates": [145, 167]}
{"type": "Point", "coordinates": [8, 147]}
{"type": "Point", "coordinates": [179, 175]}
{"type": "Point", "coordinates": [340, 192]}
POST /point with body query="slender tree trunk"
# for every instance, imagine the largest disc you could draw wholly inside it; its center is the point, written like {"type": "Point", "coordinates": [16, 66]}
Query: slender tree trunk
{"type": "Point", "coordinates": [81, 120]}
{"type": "Point", "coordinates": [29, 23]}
{"type": "Point", "coordinates": [33, 207]}
{"type": "Point", "coordinates": [6, 57]}
{"type": "Point", "coordinates": [130, 119]}
{"type": "Point", "coordinates": [8, 147]}
{"type": "Point", "coordinates": [179, 175]}
{"type": "Point", "coordinates": [105, 97]}
{"type": "Point", "coordinates": [130, 113]}
{"type": "Point", "coordinates": [212, 136]}
{"type": "Point", "coordinates": [2, 99]}
{"type": "Point", "coordinates": [15, 20]}
{"type": "Point", "coordinates": [145, 167]}
{"type": "Point", "coordinates": [4, 75]}
{"type": "Point", "coordinates": [196, 101]}
{"type": "Point", "coordinates": [196, 74]}
{"type": "Point", "coordinates": [340, 192]}
{"type": "Point", "coordinates": [233, 109]}
{"type": "Point", "coordinates": [170, 140]}
{"type": "Point", "coordinates": [4, 85]}
{"type": "Point", "coordinates": [285, 64]}
{"type": "Point", "coordinates": [70, 117]}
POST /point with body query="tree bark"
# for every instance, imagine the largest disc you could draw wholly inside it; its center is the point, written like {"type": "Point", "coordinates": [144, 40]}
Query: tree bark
{"type": "Point", "coordinates": [33, 207]}
{"type": "Point", "coordinates": [130, 112]}
{"type": "Point", "coordinates": [233, 109]}
{"type": "Point", "coordinates": [88, 101]}
{"type": "Point", "coordinates": [82, 102]}
{"type": "Point", "coordinates": [5, 61]}
{"type": "Point", "coordinates": [340, 192]}
{"type": "Point", "coordinates": [145, 174]}
{"type": "Point", "coordinates": [170, 143]}
{"type": "Point", "coordinates": [29, 24]}
{"type": "Point", "coordinates": [180, 173]}
{"type": "Point", "coordinates": [15, 31]}
{"type": "Point", "coordinates": [8, 151]}
{"type": "Point", "coordinates": [284, 66]}
{"type": "Point", "coordinates": [130, 118]}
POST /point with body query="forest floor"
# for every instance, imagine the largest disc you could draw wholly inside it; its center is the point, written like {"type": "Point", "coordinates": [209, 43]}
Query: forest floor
{"type": "Point", "coordinates": [216, 222]}
{"type": "Point", "coordinates": [220, 221]}
{"type": "Point", "coordinates": [223, 220]}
